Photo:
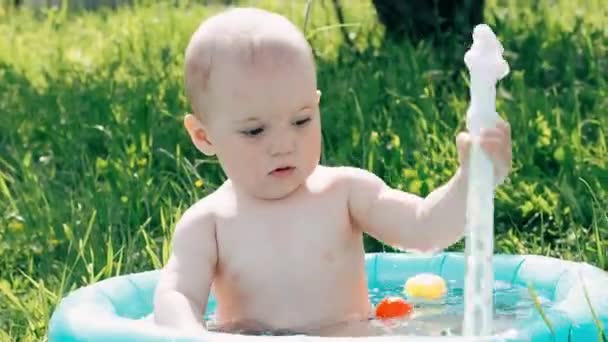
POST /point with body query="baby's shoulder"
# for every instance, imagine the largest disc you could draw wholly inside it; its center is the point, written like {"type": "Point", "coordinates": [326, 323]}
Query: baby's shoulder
{"type": "Point", "coordinates": [326, 178]}
{"type": "Point", "coordinates": [204, 212]}
{"type": "Point", "coordinates": [197, 225]}
{"type": "Point", "coordinates": [343, 175]}
{"type": "Point", "coordinates": [350, 182]}
{"type": "Point", "coordinates": [219, 203]}
{"type": "Point", "coordinates": [199, 216]}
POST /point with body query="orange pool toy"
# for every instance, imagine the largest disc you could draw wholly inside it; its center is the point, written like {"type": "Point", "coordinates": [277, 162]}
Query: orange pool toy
{"type": "Point", "coordinates": [393, 307]}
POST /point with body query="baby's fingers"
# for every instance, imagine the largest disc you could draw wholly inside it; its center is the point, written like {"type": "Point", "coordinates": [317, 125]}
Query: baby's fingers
{"type": "Point", "coordinates": [495, 133]}
{"type": "Point", "coordinates": [494, 146]}
{"type": "Point", "coordinates": [463, 143]}
{"type": "Point", "coordinates": [497, 149]}
{"type": "Point", "coordinates": [499, 152]}
{"type": "Point", "coordinates": [504, 126]}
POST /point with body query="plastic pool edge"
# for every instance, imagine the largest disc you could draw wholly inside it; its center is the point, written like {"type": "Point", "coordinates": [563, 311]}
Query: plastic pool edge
{"type": "Point", "coordinates": [110, 310]}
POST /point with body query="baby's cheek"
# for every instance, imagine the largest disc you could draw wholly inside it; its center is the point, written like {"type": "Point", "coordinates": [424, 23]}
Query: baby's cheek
{"type": "Point", "coordinates": [248, 163]}
{"type": "Point", "coordinates": [312, 145]}
{"type": "Point", "coordinates": [242, 160]}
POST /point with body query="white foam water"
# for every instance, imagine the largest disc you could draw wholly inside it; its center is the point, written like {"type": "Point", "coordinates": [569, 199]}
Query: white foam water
{"type": "Point", "coordinates": [486, 66]}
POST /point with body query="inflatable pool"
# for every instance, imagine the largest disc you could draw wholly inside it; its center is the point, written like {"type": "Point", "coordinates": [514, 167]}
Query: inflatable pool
{"type": "Point", "coordinates": [113, 310]}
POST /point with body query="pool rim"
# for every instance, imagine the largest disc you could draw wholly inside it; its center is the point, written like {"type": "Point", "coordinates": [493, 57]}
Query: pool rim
{"type": "Point", "coordinates": [558, 278]}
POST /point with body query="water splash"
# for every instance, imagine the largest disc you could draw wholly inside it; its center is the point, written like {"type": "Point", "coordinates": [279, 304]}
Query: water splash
{"type": "Point", "coordinates": [486, 66]}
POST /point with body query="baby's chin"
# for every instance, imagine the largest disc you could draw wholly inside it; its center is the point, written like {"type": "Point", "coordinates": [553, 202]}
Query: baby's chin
{"type": "Point", "coordinates": [278, 192]}
{"type": "Point", "coordinates": [276, 186]}
{"type": "Point", "coordinates": [272, 189]}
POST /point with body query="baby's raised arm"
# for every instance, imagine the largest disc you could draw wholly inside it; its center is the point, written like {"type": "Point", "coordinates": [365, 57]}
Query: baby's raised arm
{"type": "Point", "coordinates": [184, 285]}
{"type": "Point", "coordinates": [406, 220]}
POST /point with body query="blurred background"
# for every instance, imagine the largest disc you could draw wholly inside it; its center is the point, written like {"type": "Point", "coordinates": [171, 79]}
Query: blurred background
{"type": "Point", "coordinates": [95, 166]}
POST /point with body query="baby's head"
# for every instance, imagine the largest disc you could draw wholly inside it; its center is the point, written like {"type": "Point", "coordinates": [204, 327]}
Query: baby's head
{"type": "Point", "coordinates": [251, 80]}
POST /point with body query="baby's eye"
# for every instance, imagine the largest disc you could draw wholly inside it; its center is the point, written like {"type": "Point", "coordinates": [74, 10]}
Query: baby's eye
{"type": "Point", "coordinates": [253, 132]}
{"type": "Point", "coordinates": [302, 122]}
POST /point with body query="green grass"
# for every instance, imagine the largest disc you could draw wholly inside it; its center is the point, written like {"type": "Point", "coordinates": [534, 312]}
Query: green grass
{"type": "Point", "coordinates": [95, 167]}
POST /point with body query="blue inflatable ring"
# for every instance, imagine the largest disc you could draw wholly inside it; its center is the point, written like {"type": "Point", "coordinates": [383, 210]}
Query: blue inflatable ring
{"type": "Point", "coordinates": [112, 310]}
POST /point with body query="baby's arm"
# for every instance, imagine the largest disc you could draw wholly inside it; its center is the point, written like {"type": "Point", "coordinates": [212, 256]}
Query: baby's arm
{"type": "Point", "coordinates": [184, 285]}
{"type": "Point", "coordinates": [406, 220]}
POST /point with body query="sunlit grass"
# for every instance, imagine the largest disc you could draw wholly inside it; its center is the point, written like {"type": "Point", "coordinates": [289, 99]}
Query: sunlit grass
{"type": "Point", "coordinates": [95, 167]}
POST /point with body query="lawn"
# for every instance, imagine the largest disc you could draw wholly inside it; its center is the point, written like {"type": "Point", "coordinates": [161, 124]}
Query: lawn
{"type": "Point", "coordinates": [95, 166]}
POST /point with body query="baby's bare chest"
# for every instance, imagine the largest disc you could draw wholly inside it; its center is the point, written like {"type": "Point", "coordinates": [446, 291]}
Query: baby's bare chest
{"type": "Point", "coordinates": [291, 244]}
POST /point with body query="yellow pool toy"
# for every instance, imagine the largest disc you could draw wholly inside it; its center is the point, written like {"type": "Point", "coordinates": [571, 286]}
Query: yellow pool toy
{"type": "Point", "coordinates": [425, 287]}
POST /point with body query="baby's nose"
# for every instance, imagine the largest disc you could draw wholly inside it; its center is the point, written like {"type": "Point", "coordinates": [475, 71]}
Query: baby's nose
{"type": "Point", "coordinates": [283, 144]}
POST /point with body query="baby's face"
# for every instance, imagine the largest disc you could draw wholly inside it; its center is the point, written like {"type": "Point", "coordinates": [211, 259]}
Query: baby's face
{"type": "Point", "coordinates": [265, 128]}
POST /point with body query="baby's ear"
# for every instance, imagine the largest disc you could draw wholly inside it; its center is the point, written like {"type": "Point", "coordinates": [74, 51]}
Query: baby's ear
{"type": "Point", "coordinates": [199, 136]}
{"type": "Point", "coordinates": [318, 96]}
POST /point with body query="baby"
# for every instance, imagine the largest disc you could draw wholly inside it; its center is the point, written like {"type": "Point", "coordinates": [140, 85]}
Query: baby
{"type": "Point", "coordinates": [281, 241]}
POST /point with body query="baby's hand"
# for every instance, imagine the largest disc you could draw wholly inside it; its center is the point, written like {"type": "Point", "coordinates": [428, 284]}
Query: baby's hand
{"type": "Point", "coordinates": [496, 142]}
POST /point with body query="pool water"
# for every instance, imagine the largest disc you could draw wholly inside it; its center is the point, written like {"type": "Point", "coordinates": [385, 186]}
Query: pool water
{"type": "Point", "coordinates": [512, 305]}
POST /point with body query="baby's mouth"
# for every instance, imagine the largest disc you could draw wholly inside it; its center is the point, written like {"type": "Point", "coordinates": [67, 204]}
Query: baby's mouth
{"type": "Point", "coordinates": [282, 171]}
